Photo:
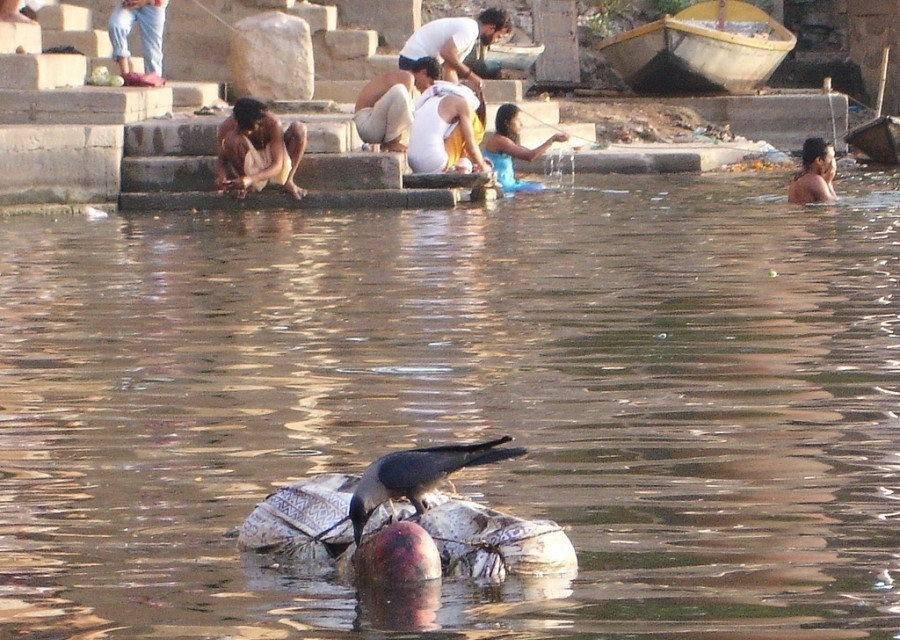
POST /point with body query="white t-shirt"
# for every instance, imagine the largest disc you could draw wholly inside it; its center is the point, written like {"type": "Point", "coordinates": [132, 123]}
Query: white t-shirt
{"type": "Point", "coordinates": [431, 36]}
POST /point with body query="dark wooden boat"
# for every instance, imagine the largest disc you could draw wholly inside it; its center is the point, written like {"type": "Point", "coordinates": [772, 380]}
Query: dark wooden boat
{"type": "Point", "coordinates": [713, 46]}
{"type": "Point", "coordinates": [879, 139]}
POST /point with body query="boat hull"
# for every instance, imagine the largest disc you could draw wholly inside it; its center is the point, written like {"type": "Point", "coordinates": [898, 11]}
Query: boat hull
{"type": "Point", "coordinates": [513, 57]}
{"type": "Point", "coordinates": [879, 139]}
{"type": "Point", "coordinates": [678, 56]}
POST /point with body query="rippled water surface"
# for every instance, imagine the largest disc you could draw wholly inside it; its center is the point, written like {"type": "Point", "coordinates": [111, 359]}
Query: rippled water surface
{"type": "Point", "coordinates": [707, 379]}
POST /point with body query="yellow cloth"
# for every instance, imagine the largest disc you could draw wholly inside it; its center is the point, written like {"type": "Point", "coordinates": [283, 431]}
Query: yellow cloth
{"type": "Point", "coordinates": [455, 143]}
{"type": "Point", "coordinates": [258, 159]}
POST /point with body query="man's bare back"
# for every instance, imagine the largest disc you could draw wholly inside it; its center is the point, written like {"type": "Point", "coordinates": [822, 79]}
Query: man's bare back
{"type": "Point", "coordinates": [375, 89]}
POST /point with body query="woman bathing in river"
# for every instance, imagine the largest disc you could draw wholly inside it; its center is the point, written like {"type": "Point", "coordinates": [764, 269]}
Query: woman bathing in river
{"type": "Point", "coordinates": [501, 147]}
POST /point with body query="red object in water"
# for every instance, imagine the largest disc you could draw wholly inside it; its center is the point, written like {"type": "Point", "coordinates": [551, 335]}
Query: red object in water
{"type": "Point", "coordinates": [400, 552]}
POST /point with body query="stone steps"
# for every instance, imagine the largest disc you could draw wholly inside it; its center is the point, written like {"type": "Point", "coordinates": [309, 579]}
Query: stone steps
{"type": "Point", "coordinates": [84, 105]}
{"type": "Point", "coordinates": [167, 159]}
{"type": "Point", "coordinates": [93, 43]}
{"type": "Point", "coordinates": [39, 88]}
{"type": "Point", "coordinates": [65, 17]}
{"type": "Point", "coordinates": [319, 200]}
{"type": "Point", "coordinates": [14, 36]}
{"type": "Point", "coordinates": [317, 172]}
{"type": "Point", "coordinates": [197, 136]}
{"type": "Point", "coordinates": [60, 164]}
{"type": "Point", "coordinates": [41, 71]}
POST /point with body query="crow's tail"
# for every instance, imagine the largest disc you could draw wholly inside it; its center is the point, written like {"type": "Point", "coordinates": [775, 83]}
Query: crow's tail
{"type": "Point", "coordinates": [468, 448]}
{"type": "Point", "coordinates": [495, 455]}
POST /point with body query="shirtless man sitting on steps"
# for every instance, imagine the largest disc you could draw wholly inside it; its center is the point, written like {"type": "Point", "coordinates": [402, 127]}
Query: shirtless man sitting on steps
{"type": "Point", "coordinates": [384, 107]}
{"type": "Point", "coordinates": [254, 149]}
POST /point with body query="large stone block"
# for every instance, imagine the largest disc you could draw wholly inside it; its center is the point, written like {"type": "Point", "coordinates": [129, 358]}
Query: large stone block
{"type": "Point", "coordinates": [60, 164]}
{"type": "Point", "coordinates": [65, 17]}
{"type": "Point", "coordinates": [84, 105]}
{"type": "Point", "coordinates": [319, 17]}
{"type": "Point", "coordinates": [330, 200]}
{"type": "Point", "coordinates": [272, 58]}
{"type": "Point", "coordinates": [14, 35]}
{"type": "Point", "coordinates": [42, 71]}
{"type": "Point", "coordinates": [348, 44]}
{"type": "Point", "coordinates": [94, 43]}
{"type": "Point", "coordinates": [394, 20]}
{"type": "Point", "coordinates": [322, 171]}
{"type": "Point", "coordinates": [784, 121]}
{"type": "Point", "coordinates": [556, 27]}
{"type": "Point", "coordinates": [197, 136]}
{"type": "Point", "coordinates": [194, 94]}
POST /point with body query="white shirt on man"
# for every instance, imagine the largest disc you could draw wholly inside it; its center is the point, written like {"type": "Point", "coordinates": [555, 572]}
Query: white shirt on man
{"type": "Point", "coordinates": [431, 36]}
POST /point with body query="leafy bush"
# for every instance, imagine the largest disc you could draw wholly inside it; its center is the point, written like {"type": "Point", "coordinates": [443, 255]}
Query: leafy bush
{"type": "Point", "coordinates": [598, 15]}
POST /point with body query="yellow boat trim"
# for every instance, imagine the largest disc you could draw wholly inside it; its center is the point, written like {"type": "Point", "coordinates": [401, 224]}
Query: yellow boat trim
{"type": "Point", "coordinates": [735, 11]}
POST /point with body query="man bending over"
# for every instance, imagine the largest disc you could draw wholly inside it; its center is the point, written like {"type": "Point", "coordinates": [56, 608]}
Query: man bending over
{"type": "Point", "coordinates": [384, 107]}
{"type": "Point", "coordinates": [253, 149]}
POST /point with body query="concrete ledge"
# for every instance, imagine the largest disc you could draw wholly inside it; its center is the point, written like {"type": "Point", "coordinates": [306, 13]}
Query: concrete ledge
{"type": "Point", "coordinates": [54, 209]}
{"type": "Point", "coordinates": [84, 105]}
{"type": "Point", "coordinates": [323, 171]}
{"type": "Point", "coordinates": [14, 35]}
{"type": "Point", "coordinates": [319, 17]}
{"type": "Point", "coordinates": [784, 119]}
{"type": "Point", "coordinates": [42, 71]}
{"type": "Point", "coordinates": [269, 200]}
{"type": "Point", "coordinates": [647, 158]}
{"type": "Point", "coordinates": [65, 17]}
{"type": "Point", "coordinates": [197, 136]}
{"type": "Point", "coordinates": [381, 62]}
{"type": "Point", "coordinates": [93, 43]}
{"type": "Point", "coordinates": [194, 94]}
{"type": "Point", "coordinates": [349, 44]}
{"type": "Point", "coordinates": [506, 91]}
{"type": "Point", "coordinates": [60, 164]}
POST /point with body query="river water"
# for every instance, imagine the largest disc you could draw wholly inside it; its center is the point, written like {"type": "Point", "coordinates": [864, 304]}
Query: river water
{"type": "Point", "coordinates": [707, 380]}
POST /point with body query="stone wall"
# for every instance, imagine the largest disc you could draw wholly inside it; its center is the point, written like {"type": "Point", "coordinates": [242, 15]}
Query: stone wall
{"type": "Point", "coordinates": [871, 26]}
{"type": "Point", "coordinates": [60, 164]}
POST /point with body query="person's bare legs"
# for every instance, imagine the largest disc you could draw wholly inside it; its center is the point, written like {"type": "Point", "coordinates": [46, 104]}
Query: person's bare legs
{"type": "Point", "coordinates": [234, 151]}
{"type": "Point", "coordinates": [295, 143]}
{"type": "Point", "coordinates": [9, 12]}
{"type": "Point", "coordinates": [124, 66]}
{"type": "Point", "coordinates": [394, 145]}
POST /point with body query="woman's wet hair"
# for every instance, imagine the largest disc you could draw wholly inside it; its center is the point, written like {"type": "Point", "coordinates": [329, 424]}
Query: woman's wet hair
{"type": "Point", "coordinates": [248, 111]}
{"type": "Point", "coordinates": [505, 114]}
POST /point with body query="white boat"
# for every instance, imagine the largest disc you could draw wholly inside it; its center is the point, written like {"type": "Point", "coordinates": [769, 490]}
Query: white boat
{"type": "Point", "coordinates": [513, 56]}
{"type": "Point", "coordinates": [722, 45]}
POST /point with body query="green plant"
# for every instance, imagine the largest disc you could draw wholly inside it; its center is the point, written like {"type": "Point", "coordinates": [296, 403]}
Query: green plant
{"type": "Point", "coordinates": [672, 6]}
{"type": "Point", "coordinates": [598, 15]}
